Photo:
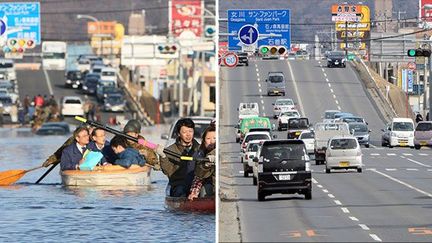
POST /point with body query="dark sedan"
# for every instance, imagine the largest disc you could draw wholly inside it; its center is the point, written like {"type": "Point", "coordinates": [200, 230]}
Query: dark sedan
{"type": "Point", "coordinates": [336, 59]}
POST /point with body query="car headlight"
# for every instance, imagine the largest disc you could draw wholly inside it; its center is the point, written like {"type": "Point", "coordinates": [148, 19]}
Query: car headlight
{"type": "Point", "coordinates": [344, 60]}
{"type": "Point", "coordinates": [85, 87]}
{"type": "Point", "coordinates": [393, 134]}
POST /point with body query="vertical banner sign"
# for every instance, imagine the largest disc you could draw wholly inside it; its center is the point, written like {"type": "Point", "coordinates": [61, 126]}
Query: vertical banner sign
{"type": "Point", "coordinates": [404, 80]}
{"type": "Point", "coordinates": [185, 18]}
{"type": "Point", "coordinates": [410, 80]}
{"type": "Point", "coordinates": [425, 14]}
{"type": "Point", "coordinates": [22, 20]}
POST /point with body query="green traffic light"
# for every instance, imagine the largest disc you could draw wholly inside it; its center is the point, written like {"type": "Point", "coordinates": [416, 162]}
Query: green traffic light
{"type": "Point", "coordinates": [264, 50]}
{"type": "Point", "coordinates": [411, 52]}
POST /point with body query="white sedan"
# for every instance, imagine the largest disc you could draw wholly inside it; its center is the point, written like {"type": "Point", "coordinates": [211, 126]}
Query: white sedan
{"type": "Point", "coordinates": [308, 137]}
{"type": "Point", "coordinates": [284, 117]}
{"type": "Point", "coordinates": [72, 106]}
{"type": "Point", "coordinates": [343, 152]}
{"type": "Point", "coordinates": [282, 105]}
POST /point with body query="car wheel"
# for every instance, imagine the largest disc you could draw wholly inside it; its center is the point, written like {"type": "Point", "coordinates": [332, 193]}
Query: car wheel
{"type": "Point", "coordinates": [308, 194]}
{"type": "Point", "coordinates": [245, 171]}
{"type": "Point", "coordinates": [268, 93]}
{"type": "Point", "coordinates": [254, 180]}
{"type": "Point", "coordinates": [261, 196]}
{"type": "Point", "coordinates": [359, 170]}
{"type": "Point", "coordinates": [328, 170]}
{"type": "Point", "coordinates": [247, 64]}
{"type": "Point", "coordinates": [390, 146]}
{"type": "Point", "coordinates": [328, 65]}
{"type": "Point", "coordinates": [367, 145]}
{"type": "Point", "coordinates": [417, 146]}
{"type": "Point", "coordinates": [237, 140]}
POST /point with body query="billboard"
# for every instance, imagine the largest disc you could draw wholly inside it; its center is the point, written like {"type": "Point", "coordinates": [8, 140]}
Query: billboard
{"type": "Point", "coordinates": [185, 18]}
{"type": "Point", "coordinates": [354, 30]}
{"type": "Point", "coordinates": [345, 12]}
{"type": "Point", "coordinates": [22, 20]}
{"type": "Point", "coordinates": [425, 14]}
{"type": "Point", "coordinates": [101, 27]}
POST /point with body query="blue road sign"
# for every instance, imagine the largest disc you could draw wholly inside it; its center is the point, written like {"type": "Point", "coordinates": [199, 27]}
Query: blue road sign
{"type": "Point", "coordinates": [2, 27]}
{"type": "Point", "coordinates": [267, 21]}
{"type": "Point", "coordinates": [248, 34]}
{"type": "Point", "coordinates": [22, 20]}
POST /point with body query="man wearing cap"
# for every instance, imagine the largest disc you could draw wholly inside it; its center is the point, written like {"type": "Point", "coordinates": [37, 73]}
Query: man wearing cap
{"type": "Point", "coordinates": [133, 128]}
{"type": "Point", "coordinates": [180, 172]}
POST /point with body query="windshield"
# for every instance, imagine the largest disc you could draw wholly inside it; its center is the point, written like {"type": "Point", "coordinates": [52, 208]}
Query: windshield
{"type": "Point", "coordinates": [283, 151]}
{"type": "Point", "coordinates": [115, 99]}
{"type": "Point", "coordinates": [426, 126]}
{"type": "Point", "coordinates": [331, 127]}
{"type": "Point", "coordinates": [5, 100]}
{"type": "Point", "coordinates": [403, 126]}
{"type": "Point", "coordinates": [307, 135]}
{"type": "Point", "coordinates": [253, 147]}
{"type": "Point", "coordinates": [352, 119]}
{"type": "Point", "coordinates": [284, 102]}
{"type": "Point", "coordinates": [108, 73]}
{"type": "Point", "coordinates": [343, 143]}
{"type": "Point", "coordinates": [290, 114]}
{"type": "Point", "coordinates": [358, 128]}
{"type": "Point", "coordinates": [71, 101]}
{"type": "Point", "coordinates": [276, 79]}
{"type": "Point", "coordinates": [337, 54]}
{"type": "Point", "coordinates": [51, 55]}
{"type": "Point", "coordinates": [256, 137]}
{"type": "Point", "coordinates": [330, 114]}
{"type": "Point", "coordinates": [6, 65]}
{"type": "Point", "coordinates": [298, 123]}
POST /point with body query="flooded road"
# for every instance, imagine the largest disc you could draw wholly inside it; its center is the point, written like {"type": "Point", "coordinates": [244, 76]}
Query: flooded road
{"type": "Point", "coordinates": [50, 212]}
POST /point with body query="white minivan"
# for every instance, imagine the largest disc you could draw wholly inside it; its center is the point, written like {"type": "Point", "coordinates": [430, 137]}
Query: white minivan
{"type": "Point", "coordinates": [109, 73]}
{"type": "Point", "coordinates": [400, 132]}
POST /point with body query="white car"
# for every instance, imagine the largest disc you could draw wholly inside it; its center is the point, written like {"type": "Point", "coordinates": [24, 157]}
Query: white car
{"type": "Point", "coordinates": [400, 132]}
{"type": "Point", "coordinates": [343, 152]}
{"type": "Point", "coordinates": [6, 92]}
{"type": "Point", "coordinates": [283, 118]}
{"type": "Point", "coordinates": [253, 136]}
{"type": "Point", "coordinates": [249, 155]}
{"type": "Point", "coordinates": [72, 106]}
{"type": "Point", "coordinates": [329, 115]}
{"type": "Point", "coordinates": [308, 137]}
{"type": "Point", "coordinates": [282, 105]}
{"type": "Point", "coordinates": [247, 110]}
{"type": "Point", "coordinates": [108, 73]}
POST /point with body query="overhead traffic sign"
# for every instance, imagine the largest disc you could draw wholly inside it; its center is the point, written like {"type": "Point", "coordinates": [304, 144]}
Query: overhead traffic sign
{"type": "Point", "coordinates": [22, 20]}
{"type": "Point", "coordinates": [230, 59]}
{"type": "Point", "coordinates": [248, 34]}
{"type": "Point", "coordinates": [265, 21]}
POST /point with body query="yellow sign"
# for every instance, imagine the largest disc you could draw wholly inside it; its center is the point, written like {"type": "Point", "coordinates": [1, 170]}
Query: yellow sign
{"type": "Point", "coordinates": [362, 25]}
{"type": "Point", "coordinates": [354, 45]}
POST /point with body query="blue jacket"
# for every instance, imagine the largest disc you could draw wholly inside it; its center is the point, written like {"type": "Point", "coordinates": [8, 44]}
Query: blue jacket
{"type": "Point", "coordinates": [130, 157]}
{"type": "Point", "coordinates": [107, 152]}
{"type": "Point", "coordinates": [70, 157]}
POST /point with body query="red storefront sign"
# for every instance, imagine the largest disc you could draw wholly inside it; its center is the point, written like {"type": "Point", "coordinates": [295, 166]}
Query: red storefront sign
{"type": "Point", "coordinates": [425, 13]}
{"type": "Point", "coordinates": [186, 15]}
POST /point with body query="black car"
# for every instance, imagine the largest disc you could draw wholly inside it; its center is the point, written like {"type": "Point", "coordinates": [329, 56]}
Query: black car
{"type": "Point", "coordinates": [105, 91]}
{"type": "Point", "coordinates": [336, 59]}
{"type": "Point", "coordinates": [243, 58]}
{"type": "Point", "coordinates": [90, 83]}
{"type": "Point", "coordinates": [285, 169]}
{"type": "Point", "coordinates": [74, 79]}
{"type": "Point", "coordinates": [296, 125]}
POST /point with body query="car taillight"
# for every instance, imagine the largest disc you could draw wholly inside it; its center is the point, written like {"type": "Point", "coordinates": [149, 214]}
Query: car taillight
{"type": "Point", "coordinates": [244, 145]}
{"type": "Point", "coordinates": [246, 157]}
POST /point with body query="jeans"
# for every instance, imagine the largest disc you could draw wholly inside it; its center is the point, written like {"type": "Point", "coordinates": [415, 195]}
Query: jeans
{"type": "Point", "coordinates": [179, 191]}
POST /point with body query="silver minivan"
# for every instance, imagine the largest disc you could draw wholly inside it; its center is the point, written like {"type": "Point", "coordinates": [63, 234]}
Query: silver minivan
{"type": "Point", "coordinates": [423, 134]}
{"type": "Point", "coordinates": [276, 83]}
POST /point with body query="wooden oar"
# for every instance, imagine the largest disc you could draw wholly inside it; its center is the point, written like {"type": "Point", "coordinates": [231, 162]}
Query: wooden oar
{"type": "Point", "coordinates": [11, 176]}
{"type": "Point", "coordinates": [47, 172]}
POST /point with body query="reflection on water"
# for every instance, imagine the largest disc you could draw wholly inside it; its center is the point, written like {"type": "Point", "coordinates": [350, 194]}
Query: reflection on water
{"type": "Point", "coordinates": [50, 212]}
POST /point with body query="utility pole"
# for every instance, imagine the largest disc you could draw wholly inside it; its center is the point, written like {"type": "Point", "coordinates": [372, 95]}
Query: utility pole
{"type": "Point", "coordinates": [346, 38]}
{"type": "Point", "coordinates": [399, 18]}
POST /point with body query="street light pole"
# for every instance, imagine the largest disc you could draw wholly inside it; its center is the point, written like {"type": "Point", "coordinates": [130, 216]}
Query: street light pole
{"type": "Point", "coordinates": [84, 16]}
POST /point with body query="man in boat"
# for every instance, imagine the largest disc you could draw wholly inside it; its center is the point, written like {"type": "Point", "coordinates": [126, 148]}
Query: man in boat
{"type": "Point", "coordinates": [56, 156]}
{"type": "Point", "coordinates": [133, 128]}
{"type": "Point", "coordinates": [72, 155]}
{"type": "Point", "coordinates": [127, 156]}
{"type": "Point", "coordinates": [99, 143]}
{"type": "Point", "coordinates": [180, 172]}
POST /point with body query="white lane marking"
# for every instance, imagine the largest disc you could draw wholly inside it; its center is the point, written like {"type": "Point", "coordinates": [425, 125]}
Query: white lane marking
{"type": "Point", "coordinates": [406, 154]}
{"type": "Point", "coordinates": [339, 108]}
{"type": "Point", "coordinates": [391, 154]}
{"type": "Point", "coordinates": [391, 169]}
{"type": "Point", "coordinates": [262, 102]}
{"type": "Point", "coordinates": [402, 183]}
{"type": "Point", "coordinates": [337, 202]}
{"type": "Point", "coordinates": [258, 79]}
{"type": "Point", "coordinates": [296, 90]}
{"type": "Point", "coordinates": [261, 96]}
{"type": "Point", "coordinates": [337, 102]}
{"type": "Point", "coordinates": [325, 74]}
{"type": "Point", "coordinates": [48, 81]}
{"type": "Point", "coordinates": [257, 74]}
{"type": "Point", "coordinates": [423, 154]}
{"type": "Point", "coordinates": [329, 85]}
{"type": "Point", "coordinates": [263, 107]}
{"type": "Point", "coordinates": [334, 96]}
{"type": "Point", "coordinates": [241, 172]}
{"type": "Point", "coordinates": [257, 70]}
{"type": "Point", "coordinates": [330, 195]}
{"type": "Point", "coordinates": [260, 90]}
{"type": "Point", "coordinates": [314, 181]}
{"type": "Point", "coordinates": [412, 169]}
{"type": "Point", "coordinates": [327, 80]}
{"type": "Point", "coordinates": [331, 90]}
{"type": "Point", "coordinates": [373, 146]}
{"type": "Point", "coordinates": [319, 62]}
{"type": "Point", "coordinates": [319, 186]}
{"type": "Point", "coordinates": [375, 237]}
{"type": "Point", "coordinates": [374, 154]}
{"type": "Point", "coordinates": [354, 218]}
{"type": "Point", "coordinates": [322, 69]}
{"type": "Point", "coordinates": [363, 226]}
{"type": "Point", "coordinates": [259, 85]}
{"type": "Point", "coordinates": [418, 162]}
{"type": "Point", "coordinates": [345, 210]}
{"type": "Point", "coordinates": [325, 190]}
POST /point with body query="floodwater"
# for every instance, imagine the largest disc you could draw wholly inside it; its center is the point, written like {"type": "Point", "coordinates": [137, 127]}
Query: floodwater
{"type": "Point", "coordinates": [50, 212]}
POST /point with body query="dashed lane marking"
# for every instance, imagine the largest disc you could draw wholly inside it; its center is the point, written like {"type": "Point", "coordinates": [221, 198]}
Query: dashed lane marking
{"type": "Point", "coordinates": [257, 74]}
{"type": "Point", "coordinates": [339, 108]}
{"type": "Point", "coordinates": [337, 202]}
{"type": "Point", "coordinates": [412, 169]}
{"type": "Point", "coordinates": [391, 169]}
{"type": "Point", "coordinates": [423, 154]}
{"type": "Point", "coordinates": [353, 218]}
{"type": "Point", "coordinates": [375, 237]}
{"type": "Point", "coordinates": [327, 80]}
{"type": "Point", "coordinates": [323, 69]}
{"type": "Point", "coordinates": [260, 90]}
{"type": "Point", "coordinates": [429, 169]}
{"type": "Point", "coordinates": [262, 102]}
{"type": "Point", "coordinates": [330, 195]}
{"type": "Point", "coordinates": [314, 181]}
{"type": "Point", "coordinates": [319, 186]}
{"type": "Point", "coordinates": [363, 226]}
{"type": "Point", "coordinates": [345, 210]}
{"type": "Point", "coordinates": [263, 107]}
{"type": "Point", "coordinates": [325, 190]}
{"type": "Point", "coordinates": [337, 102]}
{"type": "Point", "coordinates": [407, 154]}
{"type": "Point", "coordinates": [257, 70]}
{"type": "Point", "coordinates": [259, 85]}
{"type": "Point", "coordinates": [374, 154]}
{"type": "Point", "coordinates": [329, 85]}
{"type": "Point", "coordinates": [325, 74]}
{"type": "Point", "coordinates": [331, 90]}
{"type": "Point", "coordinates": [391, 154]}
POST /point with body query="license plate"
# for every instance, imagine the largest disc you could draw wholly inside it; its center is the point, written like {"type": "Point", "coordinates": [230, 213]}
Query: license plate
{"type": "Point", "coordinates": [284, 177]}
{"type": "Point", "coordinates": [344, 164]}
{"type": "Point", "coordinates": [423, 143]}
{"type": "Point", "coordinates": [276, 91]}
{"type": "Point", "coordinates": [297, 133]}
{"type": "Point", "coordinates": [403, 144]}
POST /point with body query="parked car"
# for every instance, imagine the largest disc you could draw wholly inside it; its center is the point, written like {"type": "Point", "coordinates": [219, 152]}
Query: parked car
{"type": "Point", "coordinates": [399, 132]}
{"type": "Point", "coordinates": [74, 79]}
{"type": "Point", "coordinates": [284, 167]}
{"type": "Point", "coordinates": [423, 134]}
{"type": "Point", "coordinates": [72, 106]}
{"type": "Point", "coordinates": [276, 83]}
{"type": "Point", "coordinates": [115, 103]}
{"type": "Point", "coordinates": [361, 131]}
{"type": "Point", "coordinates": [54, 128]}
{"type": "Point", "coordinates": [343, 152]}
{"type": "Point", "coordinates": [282, 105]}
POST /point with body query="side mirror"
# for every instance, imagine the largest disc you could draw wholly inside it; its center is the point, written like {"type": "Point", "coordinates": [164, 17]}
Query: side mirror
{"type": "Point", "coordinates": [389, 128]}
{"type": "Point", "coordinates": [255, 160]}
{"type": "Point", "coordinates": [382, 130]}
{"type": "Point", "coordinates": [370, 131]}
{"type": "Point", "coordinates": [273, 126]}
{"type": "Point", "coordinates": [266, 80]}
{"type": "Point", "coordinates": [164, 136]}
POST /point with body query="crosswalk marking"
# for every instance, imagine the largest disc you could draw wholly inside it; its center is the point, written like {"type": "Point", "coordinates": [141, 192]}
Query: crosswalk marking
{"type": "Point", "coordinates": [374, 154]}
{"type": "Point", "coordinates": [390, 169]}
{"type": "Point", "coordinates": [407, 154]}
{"type": "Point", "coordinates": [412, 169]}
{"type": "Point", "coordinates": [423, 154]}
{"type": "Point", "coordinates": [391, 154]}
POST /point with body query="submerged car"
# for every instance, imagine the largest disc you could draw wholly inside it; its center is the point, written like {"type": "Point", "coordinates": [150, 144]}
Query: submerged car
{"type": "Point", "coordinates": [54, 128]}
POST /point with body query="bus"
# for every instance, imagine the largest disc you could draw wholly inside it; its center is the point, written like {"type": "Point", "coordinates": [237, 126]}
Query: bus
{"type": "Point", "coordinates": [54, 55]}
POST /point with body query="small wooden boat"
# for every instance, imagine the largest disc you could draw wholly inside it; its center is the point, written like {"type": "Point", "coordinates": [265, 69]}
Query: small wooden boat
{"type": "Point", "coordinates": [113, 175]}
{"type": "Point", "coordinates": [201, 204]}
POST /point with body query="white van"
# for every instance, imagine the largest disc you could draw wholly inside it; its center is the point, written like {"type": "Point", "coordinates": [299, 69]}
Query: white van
{"type": "Point", "coordinates": [109, 73]}
{"type": "Point", "coordinates": [400, 132]}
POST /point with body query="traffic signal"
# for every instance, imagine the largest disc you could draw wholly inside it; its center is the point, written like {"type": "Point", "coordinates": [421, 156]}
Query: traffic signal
{"type": "Point", "coordinates": [272, 50]}
{"type": "Point", "coordinates": [167, 49]}
{"type": "Point", "coordinates": [419, 52]}
{"type": "Point", "coordinates": [264, 50]}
